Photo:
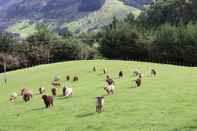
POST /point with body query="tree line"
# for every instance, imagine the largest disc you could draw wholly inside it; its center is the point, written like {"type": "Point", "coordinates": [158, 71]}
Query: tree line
{"type": "Point", "coordinates": [166, 31]}
{"type": "Point", "coordinates": [41, 48]}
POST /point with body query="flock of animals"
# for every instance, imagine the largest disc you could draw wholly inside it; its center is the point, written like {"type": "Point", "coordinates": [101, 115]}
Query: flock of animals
{"type": "Point", "coordinates": [109, 87]}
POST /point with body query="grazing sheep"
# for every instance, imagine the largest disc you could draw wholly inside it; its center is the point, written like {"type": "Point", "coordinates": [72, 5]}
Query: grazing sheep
{"type": "Point", "coordinates": [105, 70]}
{"type": "Point", "coordinates": [99, 104]}
{"type": "Point", "coordinates": [141, 76]}
{"type": "Point", "coordinates": [138, 82]}
{"type": "Point", "coordinates": [136, 72]}
{"type": "Point", "coordinates": [109, 87]}
{"type": "Point", "coordinates": [67, 91]}
{"type": "Point", "coordinates": [13, 97]}
{"type": "Point", "coordinates": [48, 101]}
{"type": "Point", "coordinates": [94, 68]}
{"type": "Point", "coordinates": [120, 74]}
{"type": "Point", "coordinates": [23, 90]}
{"type": "Point", "coordinates": [41, 90]}
{"type": "Point", "coordinates": [27, 95]}
{"type": "Point", "coordinates": [67, 77]}
{"type": "Point", "coordinates": [54, 91]}
{"type": "Point", "coordinates": [76, 78]}
{"type": "Point", "coordinates": [109, 80]}
{"type": "Point", "coordinates": [153, 72]}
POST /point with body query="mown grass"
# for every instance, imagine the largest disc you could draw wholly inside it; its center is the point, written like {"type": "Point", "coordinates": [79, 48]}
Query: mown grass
{"type": "Point", "coordinates": [166, 103]}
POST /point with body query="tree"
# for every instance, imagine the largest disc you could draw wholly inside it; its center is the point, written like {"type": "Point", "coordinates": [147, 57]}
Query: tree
{"type": "Point", "coordinates": [6, 42]}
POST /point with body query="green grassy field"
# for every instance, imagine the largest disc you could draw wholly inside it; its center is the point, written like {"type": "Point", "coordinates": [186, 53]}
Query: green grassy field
{"type": "Point", "coordinates": [167, 103]}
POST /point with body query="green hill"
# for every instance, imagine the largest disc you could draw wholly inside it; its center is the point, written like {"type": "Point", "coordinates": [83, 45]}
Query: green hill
{"type": "Point", "coordinates": [85, 21]}
{"type": "Point", "coordinates": [102, 17]}
{"type": "Point", "coordinates": [166, 103]}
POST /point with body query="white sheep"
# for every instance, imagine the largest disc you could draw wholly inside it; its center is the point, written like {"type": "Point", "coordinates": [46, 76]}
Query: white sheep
{"type": "Point", "coordinates": [67, 91]}
{"type": "Point", "coordinates": [13, 97]}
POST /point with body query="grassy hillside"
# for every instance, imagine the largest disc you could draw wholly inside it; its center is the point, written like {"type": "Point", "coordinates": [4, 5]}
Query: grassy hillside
{"type": "Point", "coordinates": [102, 17]}
{"type": "Point", "coordinates": [167, 103]}
{"type": "Point", "coordinates": [24, 28]}
{"type": "Point", "coordinates": [91, 21]}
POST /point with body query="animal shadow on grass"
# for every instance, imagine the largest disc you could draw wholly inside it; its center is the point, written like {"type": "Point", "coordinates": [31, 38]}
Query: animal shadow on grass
{"type": "Point", "coordinates": [61, 97]}
{"type": "Point", "coordinates": [84, 115]}
{"type": "Point", "coordinates": [38, 109]}
{"type": "Point", "coordinates": [28, 111]}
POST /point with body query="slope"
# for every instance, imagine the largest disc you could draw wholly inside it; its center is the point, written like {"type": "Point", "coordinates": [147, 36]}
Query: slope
{"type": "Point", "coordinates": [77, 21]}
{"type": "Point", "coordinates": [102, 17]}
{"type": "Point", "coordinates": [166, 103]}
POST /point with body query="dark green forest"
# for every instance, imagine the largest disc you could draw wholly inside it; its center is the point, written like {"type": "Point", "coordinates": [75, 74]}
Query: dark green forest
{"type": "Point", "coordinates": [165, 32]}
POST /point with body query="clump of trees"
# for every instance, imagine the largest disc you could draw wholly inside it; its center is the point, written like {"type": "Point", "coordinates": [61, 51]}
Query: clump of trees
{"type": "Point", "coordinates": [42, 47]}
{"type": "Point", "coordinates": [166, 32]}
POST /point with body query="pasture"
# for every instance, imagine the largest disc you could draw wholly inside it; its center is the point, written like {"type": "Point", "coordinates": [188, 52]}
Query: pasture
{"type": "Point", "coordinates": [166, 103]}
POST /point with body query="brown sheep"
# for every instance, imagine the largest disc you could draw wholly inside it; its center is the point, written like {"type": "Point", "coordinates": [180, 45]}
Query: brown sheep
{"type": "Point", "coordinates": [94, 68]}
{"type": "Point", "coordinates": [99, 104]}
{"type": "Point", "coordinates": [48, 101]}
{"type": "Point", "coordinates": [120, 74]}
{"type": "Point", "coordinates": [23, 90]}
{"type": "Point", "coordinates": [138, 82]}
{"type": "Point", "coordinates": [54, 91]}
{"type": "Point", "coordinates": [26, 94]}
{"type": "Point", "coordinates": [153, 72]}
{"type": "Point", "coordinates": [67, 77]}
{"type": "Point", "coordinates": [76, 78]}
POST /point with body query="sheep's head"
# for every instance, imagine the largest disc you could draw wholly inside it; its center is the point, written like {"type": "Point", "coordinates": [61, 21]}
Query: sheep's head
{"type": "Point", "coordinates": [44, 97]}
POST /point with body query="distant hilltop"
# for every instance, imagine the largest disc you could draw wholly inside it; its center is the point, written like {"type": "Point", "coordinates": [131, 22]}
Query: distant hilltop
{"type": "Point", "coordinates": [21, 16]}
{"type": "Point", "coordinates": [138, 3]}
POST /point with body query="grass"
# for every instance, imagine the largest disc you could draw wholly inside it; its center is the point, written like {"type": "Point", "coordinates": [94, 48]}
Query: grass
{"type": "Point", "coordinates": [167, 103]}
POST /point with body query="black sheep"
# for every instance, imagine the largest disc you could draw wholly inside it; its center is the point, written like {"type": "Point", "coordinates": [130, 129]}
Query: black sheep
{"type": "Point", "coordinates": [48, 100]}
{"type": "Point", "coordinates": [120, 74]}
